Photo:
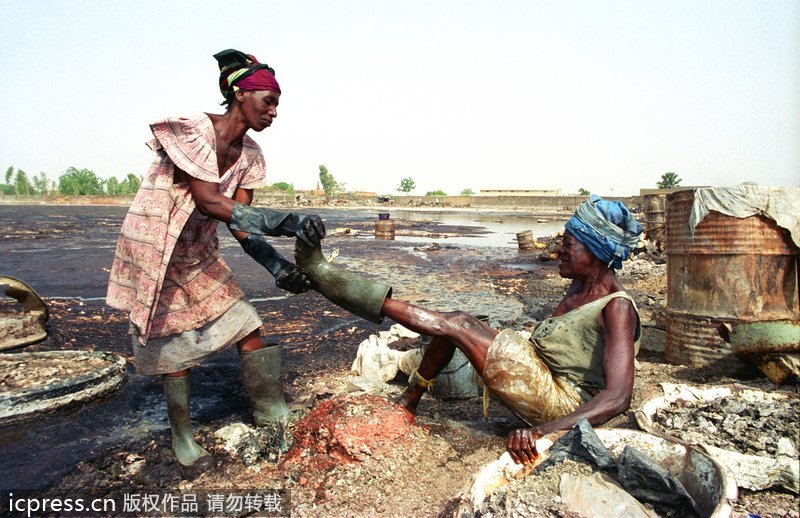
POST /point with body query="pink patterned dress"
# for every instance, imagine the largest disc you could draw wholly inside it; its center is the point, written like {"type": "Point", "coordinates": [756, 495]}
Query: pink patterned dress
{"type": "Point", "coordinates": [183, 301]}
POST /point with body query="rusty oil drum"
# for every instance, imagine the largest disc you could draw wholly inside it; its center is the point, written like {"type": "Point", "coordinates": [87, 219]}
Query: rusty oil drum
{"type": "Point", "coordinates": [525, 240]}
{"type": "Point", "coordinates": [384, 229]}
{"type": "Point", "coordinates": [654, 210]}
{"type": "Point", "coordinates": [727, 270]}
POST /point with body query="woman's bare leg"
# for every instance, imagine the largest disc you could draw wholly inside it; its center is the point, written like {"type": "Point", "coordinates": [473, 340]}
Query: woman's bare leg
{"type": "Point", "coordinates": [470, 335]}
{"type": "Point", "coordinates": [251, 342]}
{"type": "Point", "coordinates": [449, 331]}
{"type": "Point", "coordinates": [437, 355]}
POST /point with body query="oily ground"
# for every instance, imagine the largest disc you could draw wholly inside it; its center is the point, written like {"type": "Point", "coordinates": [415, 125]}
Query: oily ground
{"type": "Point", "coordinates": [356, 454]}
{"type": "Point", "coordinates": [411, 467]}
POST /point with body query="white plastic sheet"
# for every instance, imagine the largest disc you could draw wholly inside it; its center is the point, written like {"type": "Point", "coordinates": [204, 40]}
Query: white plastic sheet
{"type": "Point", "coordinates": [780, 204]}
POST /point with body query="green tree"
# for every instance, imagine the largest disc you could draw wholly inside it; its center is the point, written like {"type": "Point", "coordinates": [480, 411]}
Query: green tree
{"type": "Point", "coordinates": [583, 192]}
{"type": "Point", "coordinates": [407, 185]}
{"type": "Point", "coordinates": [79, 182]}
{"type": "Point", "coordinates": [22, 185]}
{"type": "Point", "coordinates": [467, 192]}
{"type": "Point", "coordinates": [113, 186]}
{"type": "Point", "coordinates": [288, 188]}
{"type": "Point", "coordinates": [40, 183]}
{"type": "Point", "coordinates": [329, 183]}
{"type": "Point", "coordinates": [134, 182]}
{"type": "Point", "coordinates": [8, 187]}
{"type": "Point", "coordinates": [437, 192]}
{"type": "Point", "coordinates": [129, 185]}
{"type": "Point", "coordinates": [669, 181]}
{"type": "Point", "coordinates": [123, 188]}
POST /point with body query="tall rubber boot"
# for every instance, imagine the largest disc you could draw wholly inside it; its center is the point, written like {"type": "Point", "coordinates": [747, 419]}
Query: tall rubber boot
{"type": "Point", "coordinates": [352, 292]}
{"type": "Point", "coordinates": [189, 453]}
{"type": "Point", "coordinates": [261, 371]}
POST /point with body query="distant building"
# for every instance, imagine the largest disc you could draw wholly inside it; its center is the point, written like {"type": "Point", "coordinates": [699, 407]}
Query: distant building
{"type": "Point", "coordinates": [651, 192]}
{"type": "Point", "coordinates": [522, 192]}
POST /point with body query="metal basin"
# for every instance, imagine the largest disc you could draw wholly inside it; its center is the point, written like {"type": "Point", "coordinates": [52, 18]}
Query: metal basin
{"type": "Point", "coordinates": [32, 384]}
{"type": "Point", "coordinates": [25, 327]}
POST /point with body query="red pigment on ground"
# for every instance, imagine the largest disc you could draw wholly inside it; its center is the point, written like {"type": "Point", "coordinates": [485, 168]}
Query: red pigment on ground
{"type": "Point", "coordinates": [348, 429]}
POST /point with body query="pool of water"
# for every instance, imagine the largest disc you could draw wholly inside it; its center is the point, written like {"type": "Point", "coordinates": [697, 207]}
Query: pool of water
{"type": "Point", "coordinates": [491, 229]}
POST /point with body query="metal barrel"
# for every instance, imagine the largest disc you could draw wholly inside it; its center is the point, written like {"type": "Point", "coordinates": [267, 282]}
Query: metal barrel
{"type": "Point", "coordinates": [726, 270]}
{"type": "Point", "coordinates": [525, 240]}
{"type": "Point", "coordinates": [384, 229]}
{"type": "Point", "coordinates": [654, 210]}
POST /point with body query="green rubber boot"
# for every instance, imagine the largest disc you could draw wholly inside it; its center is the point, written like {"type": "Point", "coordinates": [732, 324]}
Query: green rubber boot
{"type": "Point", "coordinates": [352, 292]}
{"type": "Point", "coordinates": [188, 452]}
{"type": "Point", "coordinates": [261, 371]}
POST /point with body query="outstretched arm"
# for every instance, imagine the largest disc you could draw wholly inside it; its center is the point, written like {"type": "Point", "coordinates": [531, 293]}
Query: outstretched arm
{"type": "Point", "coordinates": [286, 274]}
{"type": "Point", "coordinates": [618, 323]}
{"type": "Point", "coordinates": [252, 220]}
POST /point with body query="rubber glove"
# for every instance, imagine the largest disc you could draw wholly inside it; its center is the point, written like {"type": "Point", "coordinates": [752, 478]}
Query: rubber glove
{"type": "Point", "coordinates": [260, 220]}
{"type": "Point", "coordinates": [287, 276]}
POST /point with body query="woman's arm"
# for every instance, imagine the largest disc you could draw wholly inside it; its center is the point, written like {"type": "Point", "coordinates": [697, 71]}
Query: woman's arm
{"type": "Point", "coordinates": [210, 202]}
{"type": "Point", "coordinates": [618, 322]}
{"type": "Point", "coordinates": [252, 220]}
{"type": "Point", "coordinates": [245, 197]}
{"type": "Point", "coordinates": [287, 276]}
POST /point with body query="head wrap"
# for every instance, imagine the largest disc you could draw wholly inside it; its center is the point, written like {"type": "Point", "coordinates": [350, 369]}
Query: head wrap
{"type": "Point", "coordinates": [240, 71]}
{"type": "Point", "coordinates": [606, 228]}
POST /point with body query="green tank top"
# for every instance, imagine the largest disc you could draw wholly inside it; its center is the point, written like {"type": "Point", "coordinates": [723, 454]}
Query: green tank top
{"type": "Point", "coordinates": [572, 345]}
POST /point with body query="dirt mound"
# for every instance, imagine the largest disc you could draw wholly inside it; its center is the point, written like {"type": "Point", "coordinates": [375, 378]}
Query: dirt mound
{"type": "Point", "coordinates": [349, 429]}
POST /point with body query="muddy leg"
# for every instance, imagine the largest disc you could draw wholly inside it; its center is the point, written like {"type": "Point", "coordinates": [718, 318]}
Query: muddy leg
{"type": "Point", "coordinates": [470, 335]}
{"type": "Point", "coordinates": [450, 330]}
{"type": "Point", "coordinates": [437, 355]}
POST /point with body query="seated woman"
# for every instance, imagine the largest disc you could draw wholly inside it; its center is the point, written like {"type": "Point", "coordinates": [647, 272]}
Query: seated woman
{"type": "Point", "coordinates": [578, 363]}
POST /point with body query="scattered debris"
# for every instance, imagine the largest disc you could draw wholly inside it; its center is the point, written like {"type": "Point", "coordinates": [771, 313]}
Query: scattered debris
{"type": "Point", "coordinates": [751, 432]}
{"type": "Point", "coordinates": [254, 445]}
{"type": "Point", "coordinates": [534, 495]}
{"type": "Point", "coordinates": [742, 421]}
{"type": "Point", "coordinates": [343, 231]}
{"type": "Point", "coordinates": [433, 247]}
{"type": "Point", "coordinates": [549, 246]}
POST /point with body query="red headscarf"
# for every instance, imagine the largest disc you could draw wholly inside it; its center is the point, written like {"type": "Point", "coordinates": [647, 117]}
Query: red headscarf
{"type": "Point", "coordinates": [243, 71]}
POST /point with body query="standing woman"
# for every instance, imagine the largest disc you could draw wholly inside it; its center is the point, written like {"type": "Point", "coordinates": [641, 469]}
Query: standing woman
{"type": "Point", "coordinates": [183, 301]}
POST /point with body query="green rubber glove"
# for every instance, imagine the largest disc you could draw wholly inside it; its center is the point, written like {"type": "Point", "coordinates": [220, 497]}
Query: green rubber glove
{"type": "Point", "coordinates": [287, 276]}
{"type": "Point", "coordinates": [260, 220]}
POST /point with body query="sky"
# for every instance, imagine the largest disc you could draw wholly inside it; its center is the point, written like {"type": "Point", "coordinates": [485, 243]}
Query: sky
{"type": "Point", "coordinates": [604, 95]}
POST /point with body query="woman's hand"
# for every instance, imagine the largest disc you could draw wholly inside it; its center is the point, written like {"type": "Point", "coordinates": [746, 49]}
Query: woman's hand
{"type": "Point", "coordinates": [292, 280]}
{"type": "Point", "coordinates": [287, 276]}
{"type": "Point", "coordinates": [522, 445]}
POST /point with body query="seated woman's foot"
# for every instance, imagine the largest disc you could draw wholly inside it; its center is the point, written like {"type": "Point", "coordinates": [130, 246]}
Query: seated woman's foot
{"type": "Point", "coordinates": [356, 294]}
{"type": "Point", "coordinates": [410, 399]}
